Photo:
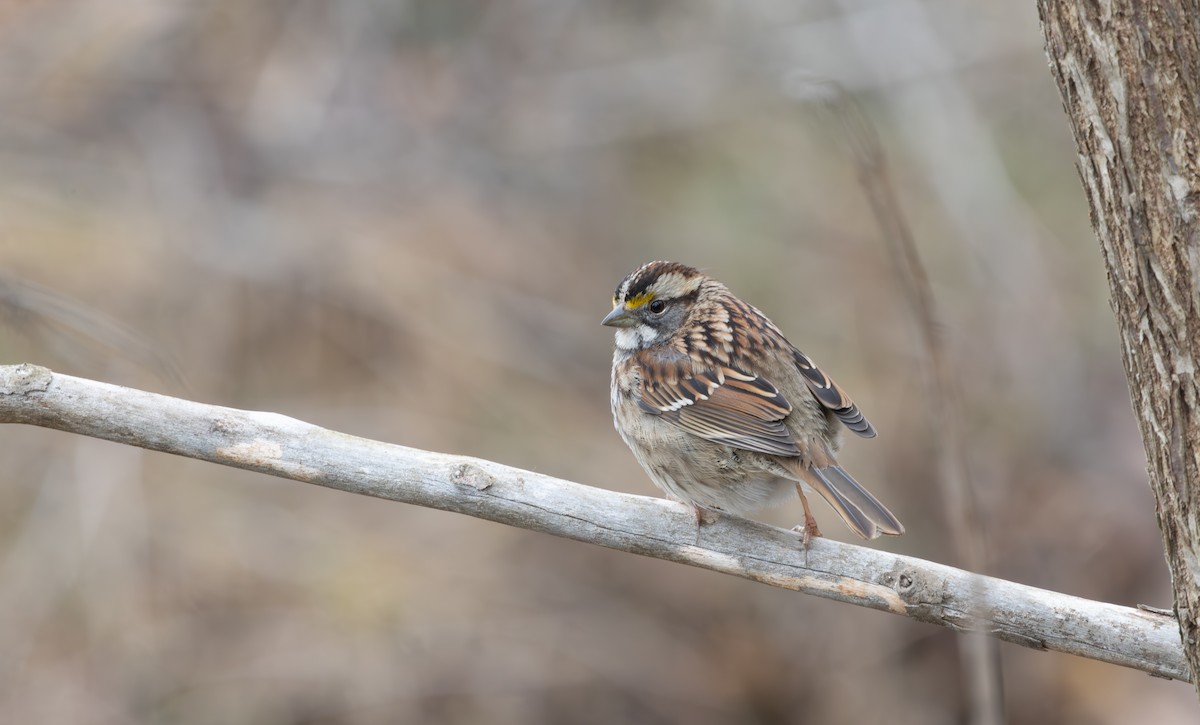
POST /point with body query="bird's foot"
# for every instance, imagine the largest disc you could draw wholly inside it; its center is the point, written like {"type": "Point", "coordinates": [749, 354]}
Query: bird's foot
{"type": "Point", "coordinates": [703, 516]}
{"type": "Point", "coordinates": [808, 531]}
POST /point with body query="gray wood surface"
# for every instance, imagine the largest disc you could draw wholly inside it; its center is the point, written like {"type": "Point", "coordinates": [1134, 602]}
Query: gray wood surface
{"type": "Point", "coordinates": [282, 446]}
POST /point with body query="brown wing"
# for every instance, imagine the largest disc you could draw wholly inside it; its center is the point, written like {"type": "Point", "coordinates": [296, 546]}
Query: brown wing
{"type": "Point", "coordinates": [831, 395]}
{"type": "Point", "coordinates": [722, 404]}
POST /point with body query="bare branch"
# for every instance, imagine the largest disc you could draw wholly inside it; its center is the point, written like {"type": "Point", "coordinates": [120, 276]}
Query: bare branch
{"type": "Point", "coordinates": [289, 448]}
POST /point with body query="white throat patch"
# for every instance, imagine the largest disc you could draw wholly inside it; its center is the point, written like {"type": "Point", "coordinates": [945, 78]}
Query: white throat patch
{"type": "Point", "coordinates": [636, 338]}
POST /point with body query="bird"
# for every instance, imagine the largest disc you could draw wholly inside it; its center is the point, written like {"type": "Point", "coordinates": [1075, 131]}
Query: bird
{"type": "Point", "coordinates": [722, 412]}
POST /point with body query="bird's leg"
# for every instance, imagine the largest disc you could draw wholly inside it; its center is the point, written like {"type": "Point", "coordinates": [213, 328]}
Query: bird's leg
{"type": "Point", "coordinates": [810, 529]}
{"type": "Point", "coordinates": [703, 515]}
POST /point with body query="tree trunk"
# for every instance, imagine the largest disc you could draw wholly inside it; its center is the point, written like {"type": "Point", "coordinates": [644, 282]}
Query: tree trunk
{"type": "Point", "coordinates": [1129, 75]}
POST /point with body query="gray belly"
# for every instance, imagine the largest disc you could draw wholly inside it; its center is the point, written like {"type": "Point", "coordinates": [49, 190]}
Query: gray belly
{"type": "Point", "coordinates": [698, 471]}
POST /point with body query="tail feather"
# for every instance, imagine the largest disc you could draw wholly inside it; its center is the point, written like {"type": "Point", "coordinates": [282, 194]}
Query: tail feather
{"type": "Point", "coordinates": [861, 511]}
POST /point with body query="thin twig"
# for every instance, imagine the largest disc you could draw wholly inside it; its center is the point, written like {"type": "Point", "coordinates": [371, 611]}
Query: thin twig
{"type": "Point", "coordinates": [282, 446]}
{"type": "Point", "coordinates": [942, 391]}
{"type": "Point", "coordinates": [75, 330]}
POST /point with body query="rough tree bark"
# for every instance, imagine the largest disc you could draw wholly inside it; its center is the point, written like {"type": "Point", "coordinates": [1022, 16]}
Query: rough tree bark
{"type": "Point", "coordinates": [1129, 75]}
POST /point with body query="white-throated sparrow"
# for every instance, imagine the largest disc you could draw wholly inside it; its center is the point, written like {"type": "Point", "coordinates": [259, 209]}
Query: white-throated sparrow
{"type": "Point", "coordinates": [721, 410]}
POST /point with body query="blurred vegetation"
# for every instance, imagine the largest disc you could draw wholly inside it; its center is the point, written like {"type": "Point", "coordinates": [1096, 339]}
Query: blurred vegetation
{"type": "Point", "coordinates": [405, 220]}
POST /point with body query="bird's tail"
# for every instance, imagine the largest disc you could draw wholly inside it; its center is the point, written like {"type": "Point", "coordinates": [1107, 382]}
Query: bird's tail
{"type": "Point", "coordinates": [861, 511]}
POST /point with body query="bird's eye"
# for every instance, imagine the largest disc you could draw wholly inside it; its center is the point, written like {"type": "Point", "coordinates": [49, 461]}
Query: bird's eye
{"type": "Point", "coordinates": [658, 307]}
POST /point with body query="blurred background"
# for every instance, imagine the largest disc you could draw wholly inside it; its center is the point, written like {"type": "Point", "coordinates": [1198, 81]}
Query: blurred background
{"type": "Point", "coordinates": [404, 220]}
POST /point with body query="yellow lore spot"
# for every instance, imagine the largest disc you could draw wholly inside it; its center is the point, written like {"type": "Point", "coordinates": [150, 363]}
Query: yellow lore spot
{"type": "Point", "coordinates": [635, 302]}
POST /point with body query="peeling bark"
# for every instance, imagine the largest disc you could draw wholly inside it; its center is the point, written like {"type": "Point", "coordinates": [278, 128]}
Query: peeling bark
{"type": "Point", "coordinates": [1129, 76]}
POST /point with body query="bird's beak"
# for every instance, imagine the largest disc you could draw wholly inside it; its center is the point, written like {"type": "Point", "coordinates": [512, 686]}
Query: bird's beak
{"type": "Point", "coordinates": [619, 317]}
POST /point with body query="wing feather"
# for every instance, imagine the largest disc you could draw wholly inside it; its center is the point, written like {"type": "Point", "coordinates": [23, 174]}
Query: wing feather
{"type": "Point", "coordinates": [725, 404]}
{"type": "Point", "coordinates": [831, 395]}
